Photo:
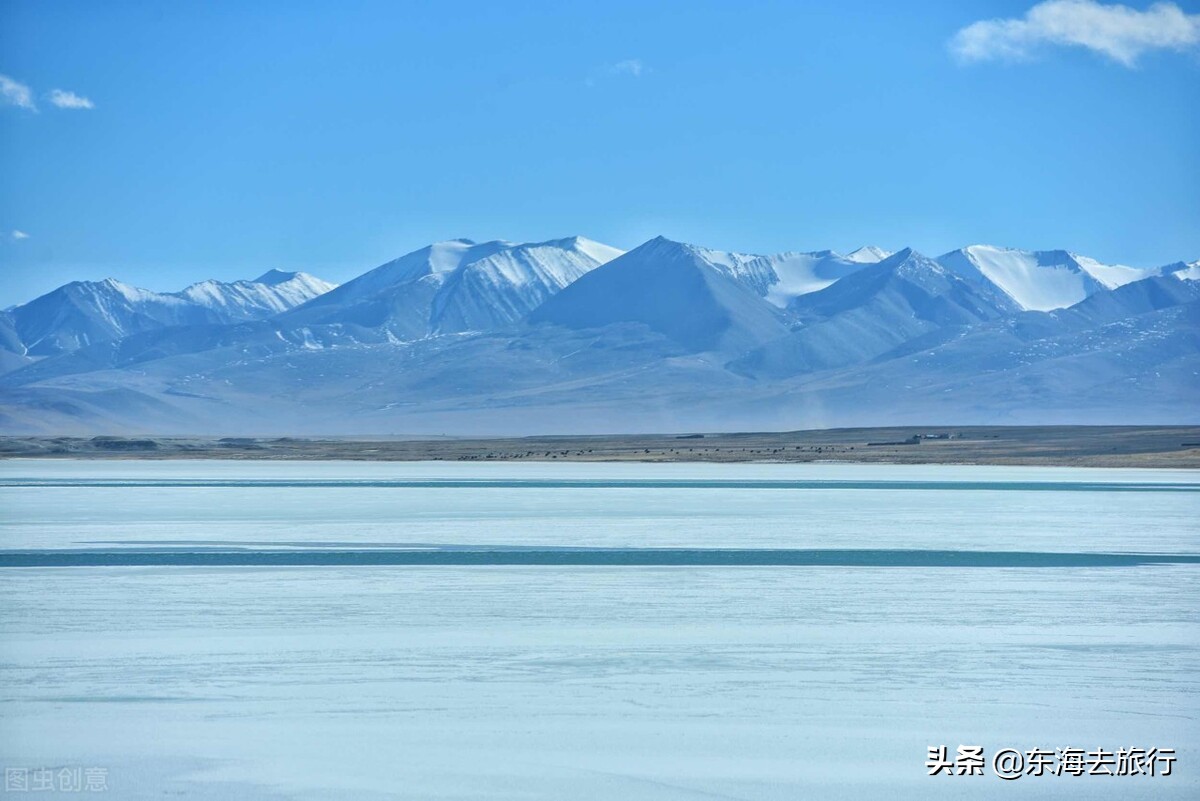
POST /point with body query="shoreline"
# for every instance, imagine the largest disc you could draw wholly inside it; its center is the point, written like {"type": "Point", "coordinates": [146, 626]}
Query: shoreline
{"type": "Point", "coordinates": [1062, 446]}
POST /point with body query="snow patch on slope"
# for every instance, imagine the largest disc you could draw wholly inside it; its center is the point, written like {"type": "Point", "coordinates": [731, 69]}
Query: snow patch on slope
{"type": "Point", "coordinates": [1189, 272]}
{"type": "Point", "coordinates": [800, 274]}
{"type": "Point", "coordinates": [782, 277]}
{"type": "Point", "coordinates": [1037, 281]}
{"type": "Point", "coordinates": [1111, 275]}
{"type": "Point", "coordinates": [1041, 280]}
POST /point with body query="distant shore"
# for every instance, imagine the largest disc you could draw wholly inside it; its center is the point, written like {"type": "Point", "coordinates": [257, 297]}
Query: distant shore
{"type": "Point", "coordinates": [1078, 446]}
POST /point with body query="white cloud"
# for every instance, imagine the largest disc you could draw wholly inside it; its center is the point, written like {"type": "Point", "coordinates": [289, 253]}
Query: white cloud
{"type": "Point", "coordinates": [19, 235]}
{"type": "Point", "coordinates": [630, 66]}
{"type": "Point", "coordinates": [1119, 32]}
{"type": "Point", "coordinates": [15, 93]}
{"type": "Point", "coordinates": [64, 99]}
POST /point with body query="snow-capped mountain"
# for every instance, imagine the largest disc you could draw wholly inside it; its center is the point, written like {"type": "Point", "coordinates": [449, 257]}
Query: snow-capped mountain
{"type": "Point", "coordinates": [868, 254]}
{"type": "Point", "coordinates": [1039, 280]}
{"type": "Point", "coordinates": [779, 279]}
{"type": "Point", "coordinates": [1183, 271]}
{"type": "Point", "coordinates": [699, 298]}
{"type": "Point", "coordinates": [86, 312]}
{"type": "Point", "coordinates": [1157, 292]}
{"type": "Point", "coordinates": [909, 286]}
{"type": "Point", "coordinates": [783, 277]}
{"type": "Point", "coordinates": [573, 336]}
{"type": "Point", "coordinates": [272, 292]}
{"type": "Point", "coordinates": [455, 286]}
{"type": "Point", "coordinates": [873, 311]}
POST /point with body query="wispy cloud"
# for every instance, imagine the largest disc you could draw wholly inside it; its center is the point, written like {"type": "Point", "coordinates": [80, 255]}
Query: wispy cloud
{"type": "Point", "coordinates": [1115, 31]}
{"type": "Point", "coordinates": [627, 68]}
{"type": "Point", "coordinates": [15, 93]}
{"type": "Point", "coordinates": [19, 235]}
{"type": "Point", "coordinates": [64, 99]}
{"type": "Point", "coordinates": [630, 66]}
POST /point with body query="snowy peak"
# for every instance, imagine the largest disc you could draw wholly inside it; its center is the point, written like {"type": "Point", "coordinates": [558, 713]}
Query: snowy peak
{"type": "Point", "coordinates": [661, 251]}
{"type": "Point", "coordinates": [503, 287]}
{"type": "Point", "coordinates": [437, 262]}
{"type": "Point", "coordinates": [439, 258]}
{"type": "Point", "coordinates": [874, 311]}
{"type": "Point", "coordinates": [456, 286]}
{"type": "Point", "coordinates": [1110, 276]}
{"type": "Point", "coordinates": [254, 300]}
{"type": "Point", "coordinates": [597, 251]}
{"type": "Point", "coordinates": [108, 285]}
{"type": "Point", "coordinates": [554, 264]}
{"type": "Point", "coordinates": [1036, 280]}
{"type": "Point", "coordinates": [108, 292]}
{"type": "Point", "coordinates": [1040, 280]}
{"type": "Point", "coordinates": [935, 278]}
{"type": "Point", "coordinates": [693, 296]}
{"type": "Point", "coordinates": [272, 277]}
{"type": "Point", "coordinates": [788, 276]}
{"type": "Point", "coordinates": [1184, 271]}
{"type": "Point", "coordinates": [277, 277]}
{"type": "Point", "coordinates": [86, 312]}
{"type": "Point", "coordinates": [910, 264]}
{"type": "Point", "coordinates": [907, 258]}
{"type": "Point", "coordinates": [909, 284]}
{"type": "Point", "coordinates": [83, 312]}
{"type": "Point", "coordinates": [868, 254]}
{"type": "Point", "coordinates": [759, 273]}
{"type": "Point", "coordinates": [779, 278]}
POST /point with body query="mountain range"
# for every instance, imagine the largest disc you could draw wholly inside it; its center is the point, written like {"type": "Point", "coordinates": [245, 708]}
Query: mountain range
{"type": "Point", "coordinates": [573, 336]}
{"type": "Point", "coordinates": [86, 312]}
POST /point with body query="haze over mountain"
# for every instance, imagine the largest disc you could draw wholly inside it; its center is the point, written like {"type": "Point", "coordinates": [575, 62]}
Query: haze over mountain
{"type": "Point", "coordinates": [572, 336]}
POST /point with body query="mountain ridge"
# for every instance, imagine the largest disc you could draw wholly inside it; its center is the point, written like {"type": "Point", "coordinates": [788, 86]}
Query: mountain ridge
{"type": "Point", "coordinates": [502, 337]}
{"type": "Point", "coordinates": [81, 313]}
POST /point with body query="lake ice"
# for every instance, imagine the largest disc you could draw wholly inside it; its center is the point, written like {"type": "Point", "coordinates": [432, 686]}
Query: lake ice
{"type": "Point", "coordinates": [534, 682]}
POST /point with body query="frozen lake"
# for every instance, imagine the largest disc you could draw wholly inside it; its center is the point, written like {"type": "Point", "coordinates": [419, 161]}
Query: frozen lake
{"type": "Point", "coordinates": [480, 678]}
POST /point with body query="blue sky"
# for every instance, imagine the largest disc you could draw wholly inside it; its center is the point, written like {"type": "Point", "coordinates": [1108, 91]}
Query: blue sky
{"type": "Point", "coordinates": [226, 138]}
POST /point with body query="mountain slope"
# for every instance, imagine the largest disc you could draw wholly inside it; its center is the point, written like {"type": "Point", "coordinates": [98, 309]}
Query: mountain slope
{"type": "Point", "coordinates": [784, 277]}
{"type": "Point", "coordinates": [553, 380]}
{"type": "Point", "coordinates": [868, 254]}
{"type": "Point", "coordinates": [1183, 272]}
{"type": "Point", "coordinates": [272, 292]}
{"type": "Point", "coordinates": [1038, 280]}
{"type": "Point", "coordinates": [683, 292]}
{"type": "Point", "coordinates": [12, 351]}
{"type": "Point", "coordinates": [86, 312]}
{"type": "Point", "coordinates": [1139, 297]}
{"type": "Point", "coordinates": [873, 311]}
